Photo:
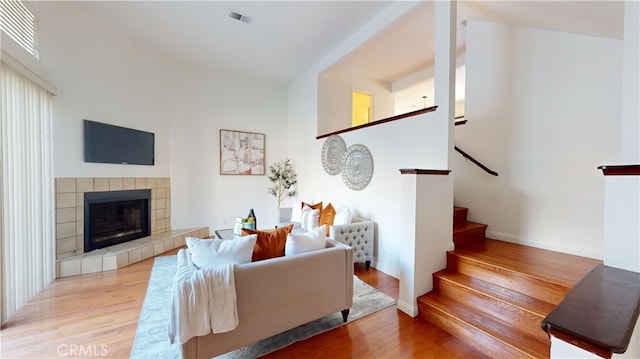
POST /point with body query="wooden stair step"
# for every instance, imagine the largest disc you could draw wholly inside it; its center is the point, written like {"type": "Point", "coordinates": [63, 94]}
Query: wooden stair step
{"type": "Point", "coordinates": [514, 308]}
{"type": "Point", "coordinates": [492, 336]}
{"type": "Point", "coordinates": [536, 306]}
{"type": "Point", "coordinates": [554, 267]}
{"type": "Point", "coordinates": [513, 280]}
{"type": "Point", "coordinates": [469, 232]}
{"type": "Point", "coordinates": [459, 215]}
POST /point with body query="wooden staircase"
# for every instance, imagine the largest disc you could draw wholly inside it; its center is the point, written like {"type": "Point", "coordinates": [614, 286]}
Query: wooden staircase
{"type": "Point", "coordinates": [494, 294]}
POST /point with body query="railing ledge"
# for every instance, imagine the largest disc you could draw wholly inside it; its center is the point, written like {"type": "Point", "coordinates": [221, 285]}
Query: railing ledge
{"type": "Point", "coordinates": [379, 122]}
{"type": "Point", "coordinates": [620, 170]}
{"type": "Point", "coordinates": [599, 313]}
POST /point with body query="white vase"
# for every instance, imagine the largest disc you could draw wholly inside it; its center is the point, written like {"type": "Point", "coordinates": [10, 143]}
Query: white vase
{"type": "Point", "coordinates": [285, 214]}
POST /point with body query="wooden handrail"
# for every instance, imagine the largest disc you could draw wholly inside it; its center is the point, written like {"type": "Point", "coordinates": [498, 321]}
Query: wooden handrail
{"type": "Point", "coordinates": [379, 122]}
{"type": "Point", "coordinates": [599, 313]}
{"type": "Point", "coordinates": [420, 171]}
{"type": "Point", "coordinates": [476, 162]}
{"type": "Point", "coordinates": [620, 170]}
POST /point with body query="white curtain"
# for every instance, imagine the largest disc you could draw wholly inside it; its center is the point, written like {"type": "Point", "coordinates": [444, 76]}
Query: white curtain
{"type": "Point", "coordinates": [27, 220]}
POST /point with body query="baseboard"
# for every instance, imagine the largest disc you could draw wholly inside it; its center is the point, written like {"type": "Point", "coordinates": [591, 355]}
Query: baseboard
{"type": "Point", "coordinates": [408, 309]}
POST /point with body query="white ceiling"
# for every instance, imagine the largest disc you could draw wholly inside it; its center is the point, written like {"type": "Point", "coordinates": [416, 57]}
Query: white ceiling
{"type": "Point", "coordinates": [284, 39]}
{"type": "Point", "coordinates": [287, 37]}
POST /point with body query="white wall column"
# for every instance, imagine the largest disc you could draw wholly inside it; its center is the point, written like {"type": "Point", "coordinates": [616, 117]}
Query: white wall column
{"type": "Point", "coordinates": [445, 68]}
{"type": "Point", "coordinates": [427, 232]}
{"type": "Point", "coordinates": [427, 195]}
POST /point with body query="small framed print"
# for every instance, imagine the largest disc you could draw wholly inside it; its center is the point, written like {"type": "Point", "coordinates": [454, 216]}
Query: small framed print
{"type": "Point", "coordinates": [241, 153]}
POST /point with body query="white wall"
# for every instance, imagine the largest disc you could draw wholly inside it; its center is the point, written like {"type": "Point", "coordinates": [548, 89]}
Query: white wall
{"type": "Point", "coordinates": [101, 75]}
{"type": "Point", "coordinates": [416, 142]}
{"type": "Point", "coordinates": [203, 102]}
{"type": "Point", "coordinates": [335, 90]}
{"type": "Point", "coordinates": [622, 193]}
{"type": "Point", "coordinates": [544, 111]}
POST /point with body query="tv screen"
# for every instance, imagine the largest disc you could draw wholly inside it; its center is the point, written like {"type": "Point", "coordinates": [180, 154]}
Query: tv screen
{"type": "Point", "coordinates": [104, 143]}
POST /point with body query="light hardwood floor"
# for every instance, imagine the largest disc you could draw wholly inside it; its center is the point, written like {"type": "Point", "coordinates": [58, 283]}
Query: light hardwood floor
{"type": "Point", "coordinates": [97, 315]}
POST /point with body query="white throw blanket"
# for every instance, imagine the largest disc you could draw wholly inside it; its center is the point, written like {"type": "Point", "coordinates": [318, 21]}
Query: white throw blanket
{"type": "Point", "coordinates": [204, 300]}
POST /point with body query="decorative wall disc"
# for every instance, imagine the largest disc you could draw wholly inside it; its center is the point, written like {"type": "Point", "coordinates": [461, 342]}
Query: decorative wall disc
{"type": "Point", "coordinates": [357, 167]}
{"type": "Point", "coordinates": [332, 152]}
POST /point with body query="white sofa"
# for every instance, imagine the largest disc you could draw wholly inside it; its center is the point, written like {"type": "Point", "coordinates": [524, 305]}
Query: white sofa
{"type": "Point", "coordinates": [279, 294]}
{"type": "Point", "coordinates": [358, 234]}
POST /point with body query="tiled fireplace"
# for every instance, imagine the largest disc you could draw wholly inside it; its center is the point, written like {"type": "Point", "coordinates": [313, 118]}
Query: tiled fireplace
{"type": "Point", "coordinates": [70, 207]}
{"type": "Point", "coordinates": [71, 224]}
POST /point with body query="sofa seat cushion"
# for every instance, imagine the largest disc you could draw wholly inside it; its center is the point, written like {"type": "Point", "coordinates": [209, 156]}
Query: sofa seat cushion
{"type": "Point", "coordinates": [270, 244]}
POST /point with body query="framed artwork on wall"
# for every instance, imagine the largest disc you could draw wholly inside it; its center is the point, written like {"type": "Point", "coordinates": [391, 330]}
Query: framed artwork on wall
{"type": "Point", "coordinates": [241, 153]}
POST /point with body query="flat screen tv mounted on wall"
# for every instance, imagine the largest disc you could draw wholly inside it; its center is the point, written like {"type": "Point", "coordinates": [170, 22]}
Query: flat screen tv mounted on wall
{"type": "Point", "coordinates": [104, 143]}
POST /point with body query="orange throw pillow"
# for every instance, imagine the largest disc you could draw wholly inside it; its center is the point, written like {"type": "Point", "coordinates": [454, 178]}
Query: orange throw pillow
{"type": "Point", "coordinates": [317, 206]}
{"type": "Point", "coordinates": [326, 217]}
{"type": "Point", "coordinates": [270, 244]}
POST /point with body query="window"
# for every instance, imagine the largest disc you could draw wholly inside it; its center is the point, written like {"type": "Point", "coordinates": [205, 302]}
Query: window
{"type": "Point", "coordinates": [27, 208]}
{"type": "Point", "coordinates": [17, 21]}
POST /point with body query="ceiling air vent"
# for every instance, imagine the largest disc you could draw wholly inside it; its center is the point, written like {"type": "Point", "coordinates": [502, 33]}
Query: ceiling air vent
{"type": "Point", "coordinates": [239, 16]}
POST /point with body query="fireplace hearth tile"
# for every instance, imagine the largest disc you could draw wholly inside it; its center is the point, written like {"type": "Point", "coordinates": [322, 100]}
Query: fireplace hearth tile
{"type": "Point", "coordinates": [169, 244]}
{"type": "Point", "coordinates": [123, 260]}
{"type": "Point", "coordinates": [70, 266]}
{"type": "Point", "coordinates": [147, 251]}
{"type": "Point", "coordinates": [125, 254]}
{"type": "Point", "coordinates": [135, 256]}
{"type": "Point", "coordinates": [109, 262]}
{"type": "Point", "coordinates": [92, 261]}
{"type": "Point", "coordinates": [158, 248]}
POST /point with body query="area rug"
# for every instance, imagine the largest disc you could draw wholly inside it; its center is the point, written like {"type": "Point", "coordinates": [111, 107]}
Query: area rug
{"type": "Point", "coordinates": [152, 340]}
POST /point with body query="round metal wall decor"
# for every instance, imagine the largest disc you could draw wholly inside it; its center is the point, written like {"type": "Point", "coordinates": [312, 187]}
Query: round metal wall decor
{"type": "Point", "coordinates": [357, 167]}
{"type": "Point", "coordinates": [332, 152]}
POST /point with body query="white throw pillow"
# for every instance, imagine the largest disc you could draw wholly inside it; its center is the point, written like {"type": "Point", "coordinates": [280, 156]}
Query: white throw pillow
{"type": "Point", "coordinates": [296, 212]}
{"type": "Point", "coordinates": [343, 216]}
{"type": "Point", "coordinates": [212, 253]}
{"type": "Point", "coordinates": [310, 218]}
{"type": "Point", "coordinates": [306, 242]}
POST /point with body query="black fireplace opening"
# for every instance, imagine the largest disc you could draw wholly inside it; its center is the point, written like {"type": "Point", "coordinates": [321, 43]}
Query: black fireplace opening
{"type": "Point", "coordinates": [115, 217]}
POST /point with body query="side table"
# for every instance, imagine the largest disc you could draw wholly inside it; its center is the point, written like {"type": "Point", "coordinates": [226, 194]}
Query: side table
{"type": "Point", "coordinates": [225, 233]}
